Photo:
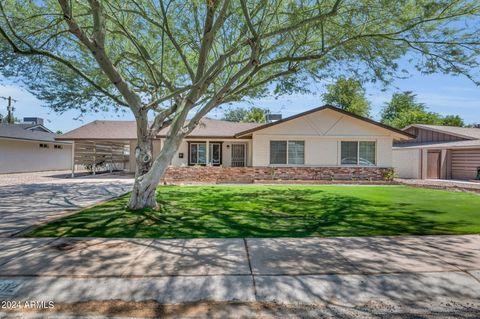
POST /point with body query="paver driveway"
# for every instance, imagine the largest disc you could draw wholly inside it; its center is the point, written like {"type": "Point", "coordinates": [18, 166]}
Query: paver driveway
{"type": "Point", "coordinates": [28, 199]}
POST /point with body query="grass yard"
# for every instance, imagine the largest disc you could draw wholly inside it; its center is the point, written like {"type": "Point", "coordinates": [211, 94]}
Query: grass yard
{"type": "Point", "coordinates": [278, 211]}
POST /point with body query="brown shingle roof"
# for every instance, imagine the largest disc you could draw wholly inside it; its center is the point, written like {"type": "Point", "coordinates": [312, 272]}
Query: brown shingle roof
{"type": "Point", "coordinates": [126, 130]}
{"type": "Point", "coordinates": [466, 132]}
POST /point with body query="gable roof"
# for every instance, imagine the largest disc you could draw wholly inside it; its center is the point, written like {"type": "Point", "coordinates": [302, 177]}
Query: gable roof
{"type": "Point", "coordinates": [19, 132]}
{"type": "Point", "coordinates": [321, 108]}
{"type": "Point", "coordinates": [469, 133]}
{"type": "Point", "coordinates": [127, 130]}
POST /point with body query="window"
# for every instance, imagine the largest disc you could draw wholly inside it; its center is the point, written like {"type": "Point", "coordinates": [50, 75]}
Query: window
{"type": "Point", "coordinates": [278, 152]}
{"type": "Point", "coordinates": [59, 147]}
{"type": "Point", "coordinates": [198, 153]}
{"type": "Point", "coordinates": [287, 152]}
{"type": "Point", "coordinates": [366, 153]}
{"type": "Point", "coordinates": [296, 152]}
{"type": "Point", "coordinates": [215, 154]}
{"type": "Point", "coordinates": [358, 153]}
{"type": "Point", "coordinates": [43, 145]}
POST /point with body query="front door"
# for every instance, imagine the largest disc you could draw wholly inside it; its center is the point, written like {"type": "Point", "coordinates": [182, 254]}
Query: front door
{"type": "Point", "coordinates": [433, 165]}
{"type": "Point", "coordinates": [239, 154]}
{"type": "Point", "coordinates": [215, 154]}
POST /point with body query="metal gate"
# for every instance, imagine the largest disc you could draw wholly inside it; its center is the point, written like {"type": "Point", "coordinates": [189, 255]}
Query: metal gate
{"type": "Point", "coordinates": [239, 152]}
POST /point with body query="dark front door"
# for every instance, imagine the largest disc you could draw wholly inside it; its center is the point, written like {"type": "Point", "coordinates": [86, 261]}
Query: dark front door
{"type": "Point", "coordinates": [433, 165]}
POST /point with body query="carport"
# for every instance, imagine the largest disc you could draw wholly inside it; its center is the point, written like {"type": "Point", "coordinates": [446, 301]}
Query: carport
{"type": "Point", "coordinates": [105, 145]}
{"type": "Point", "coordinates": [100, 154]}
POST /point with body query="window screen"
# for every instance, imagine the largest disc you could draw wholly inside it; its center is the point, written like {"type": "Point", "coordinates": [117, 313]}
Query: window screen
{"type": "Point", "coordinates": [296, 152]}
{"type": "Point", "coordinates": [278, 152]}
{"type": "Point", "coordinates": [349, 153]}
{"type": "Point", "coordinates": [367, 153]}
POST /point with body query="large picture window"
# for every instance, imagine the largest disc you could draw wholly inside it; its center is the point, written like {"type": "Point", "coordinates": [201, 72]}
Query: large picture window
{"type": "Point", "coordinates": [361, 153]}
{"type": "Point", "coordinates": [287, 152]}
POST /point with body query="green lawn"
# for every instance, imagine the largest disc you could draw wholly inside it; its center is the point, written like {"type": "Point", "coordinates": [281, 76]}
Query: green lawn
{"type": "Point", "coordinates": [279, 211]}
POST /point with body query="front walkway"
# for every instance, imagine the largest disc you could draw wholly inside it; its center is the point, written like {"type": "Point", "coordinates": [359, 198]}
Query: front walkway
{"type": "Point", "coordinates": [431, 273]}
{"type": "Point", "coordinates": [28, 199]}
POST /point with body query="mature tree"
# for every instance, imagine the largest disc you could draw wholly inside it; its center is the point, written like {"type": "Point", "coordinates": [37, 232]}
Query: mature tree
{"type": "Point", "coordinates": [236, 114]}
{"type": "Point", "coordinates": [172, 59]}
{"type": "Point", "coordinates": [453, 120]}
{"type": "Point", "coordinates": [256, 115]}
{"type": "Point", "coordinates": [243, 115]}
{"type": "Point", "coordinates": [404, 109]}
{"type": "Point", "coordinates": [413, 116]}
{"type": "Point", "coordinates": [349, 95]}
{"type": "Point", "coordinates": [401, 102]}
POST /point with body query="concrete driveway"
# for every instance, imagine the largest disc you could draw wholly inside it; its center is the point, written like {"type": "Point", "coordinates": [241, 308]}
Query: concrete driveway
{"type": "Point", "coordinates": [28, 199]}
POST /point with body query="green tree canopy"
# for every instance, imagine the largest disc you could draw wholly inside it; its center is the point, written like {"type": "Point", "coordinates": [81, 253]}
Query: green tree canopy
{"type": "Point", "coordinates": [244, 115]}
{"type": "Point", "coordinates": [404, 109]}
{"type": "Point", "coordinates": [349, 95]}
{"type": "Point", "coordinates": [453, 120]}
{"type": "Point", "coordinates": [236, 114]}
{"type": "Point", "coordinates": [164, 60]}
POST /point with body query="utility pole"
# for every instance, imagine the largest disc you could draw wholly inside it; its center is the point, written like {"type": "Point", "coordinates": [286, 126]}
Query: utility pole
{"type": "Point", "coordinates": [9, 118]}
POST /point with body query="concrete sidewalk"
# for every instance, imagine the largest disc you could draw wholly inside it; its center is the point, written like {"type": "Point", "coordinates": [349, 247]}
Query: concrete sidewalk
{"type": "Point", "coordinates": [428, 272]}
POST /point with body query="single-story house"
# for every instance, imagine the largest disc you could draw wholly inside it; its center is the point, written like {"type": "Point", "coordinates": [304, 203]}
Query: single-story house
{"type": "Point", "coordinates": [31, 147]}
{"type": "Point", "coordinates": [438, 152]}
{"type": "Point", "coordinates": [322, 143]}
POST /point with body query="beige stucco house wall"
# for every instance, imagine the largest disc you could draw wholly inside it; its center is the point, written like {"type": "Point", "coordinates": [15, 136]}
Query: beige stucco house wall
{"type": "Point", "coordinates": [407, 163]}
{"type": "Point", "coordinates": [27, 156]}
{"type": "Point", "coordinates": [323, 133]}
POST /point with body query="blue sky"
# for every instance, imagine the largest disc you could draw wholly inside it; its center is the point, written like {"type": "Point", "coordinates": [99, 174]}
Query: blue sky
{"type": "Point", "coordinates": [444, 94]}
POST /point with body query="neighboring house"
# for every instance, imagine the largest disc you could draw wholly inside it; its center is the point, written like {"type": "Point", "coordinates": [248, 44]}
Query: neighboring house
{"type": "Point", "coordinates": [322, 143]}
{"type": "Point", "coordinates": [30, 147]}
{"type": "Point", "coordinates": [439, 152]}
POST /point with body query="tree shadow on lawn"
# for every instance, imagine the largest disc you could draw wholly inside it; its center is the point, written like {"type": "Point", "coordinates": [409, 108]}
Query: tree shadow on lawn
{"type": "Point", "coordinates": [216, 212]}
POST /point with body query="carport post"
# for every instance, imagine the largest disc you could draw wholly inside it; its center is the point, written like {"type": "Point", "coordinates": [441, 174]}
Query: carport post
{"type": "Point", "coordinates": [73, 159]}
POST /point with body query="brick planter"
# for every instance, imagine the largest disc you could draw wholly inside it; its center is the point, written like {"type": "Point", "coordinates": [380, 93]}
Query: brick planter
{"type": "Point", "coordinates": [214, 175]}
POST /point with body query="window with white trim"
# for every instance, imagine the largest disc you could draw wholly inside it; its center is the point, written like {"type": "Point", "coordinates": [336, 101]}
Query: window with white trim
{"type": "Point", "coordinates": [287, 152]}
{"type": "Point", "coordinates": [362, 153]}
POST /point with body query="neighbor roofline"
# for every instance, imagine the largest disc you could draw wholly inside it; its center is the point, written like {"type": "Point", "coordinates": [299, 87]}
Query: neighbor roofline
{"type": "Point", "coordinates": [93, 139]}
{"type": "Point", "coordinates": [39, 125]}
{"type": "Point", "coordinates": [426, 127]}
{"type": "Point", "coordinates": [331, 107]}
{"type": "Point", "coordinates": [34, 140]}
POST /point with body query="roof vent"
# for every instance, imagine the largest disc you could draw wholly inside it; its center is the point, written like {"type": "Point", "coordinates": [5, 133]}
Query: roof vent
{"type": "Point", "coordinates": [33, 120]}
{"type": "Point", "coordinates": [273, 117]}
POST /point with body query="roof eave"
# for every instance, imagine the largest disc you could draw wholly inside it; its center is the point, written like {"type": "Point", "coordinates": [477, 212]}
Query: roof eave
{"type": "Point", "coordinates": [439, 131]}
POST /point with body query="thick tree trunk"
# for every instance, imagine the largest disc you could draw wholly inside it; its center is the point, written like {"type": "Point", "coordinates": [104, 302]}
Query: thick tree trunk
{"type": "Point", "coordinates": [148, 173]}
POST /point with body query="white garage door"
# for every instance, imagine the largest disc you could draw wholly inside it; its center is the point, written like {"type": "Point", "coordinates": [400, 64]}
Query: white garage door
{"type": "Point", "coordinates": [465, 163]}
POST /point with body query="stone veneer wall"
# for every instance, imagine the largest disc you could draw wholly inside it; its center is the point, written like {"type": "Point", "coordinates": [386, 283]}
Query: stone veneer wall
{"type": "Point", "coordinates": [209, 174]}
